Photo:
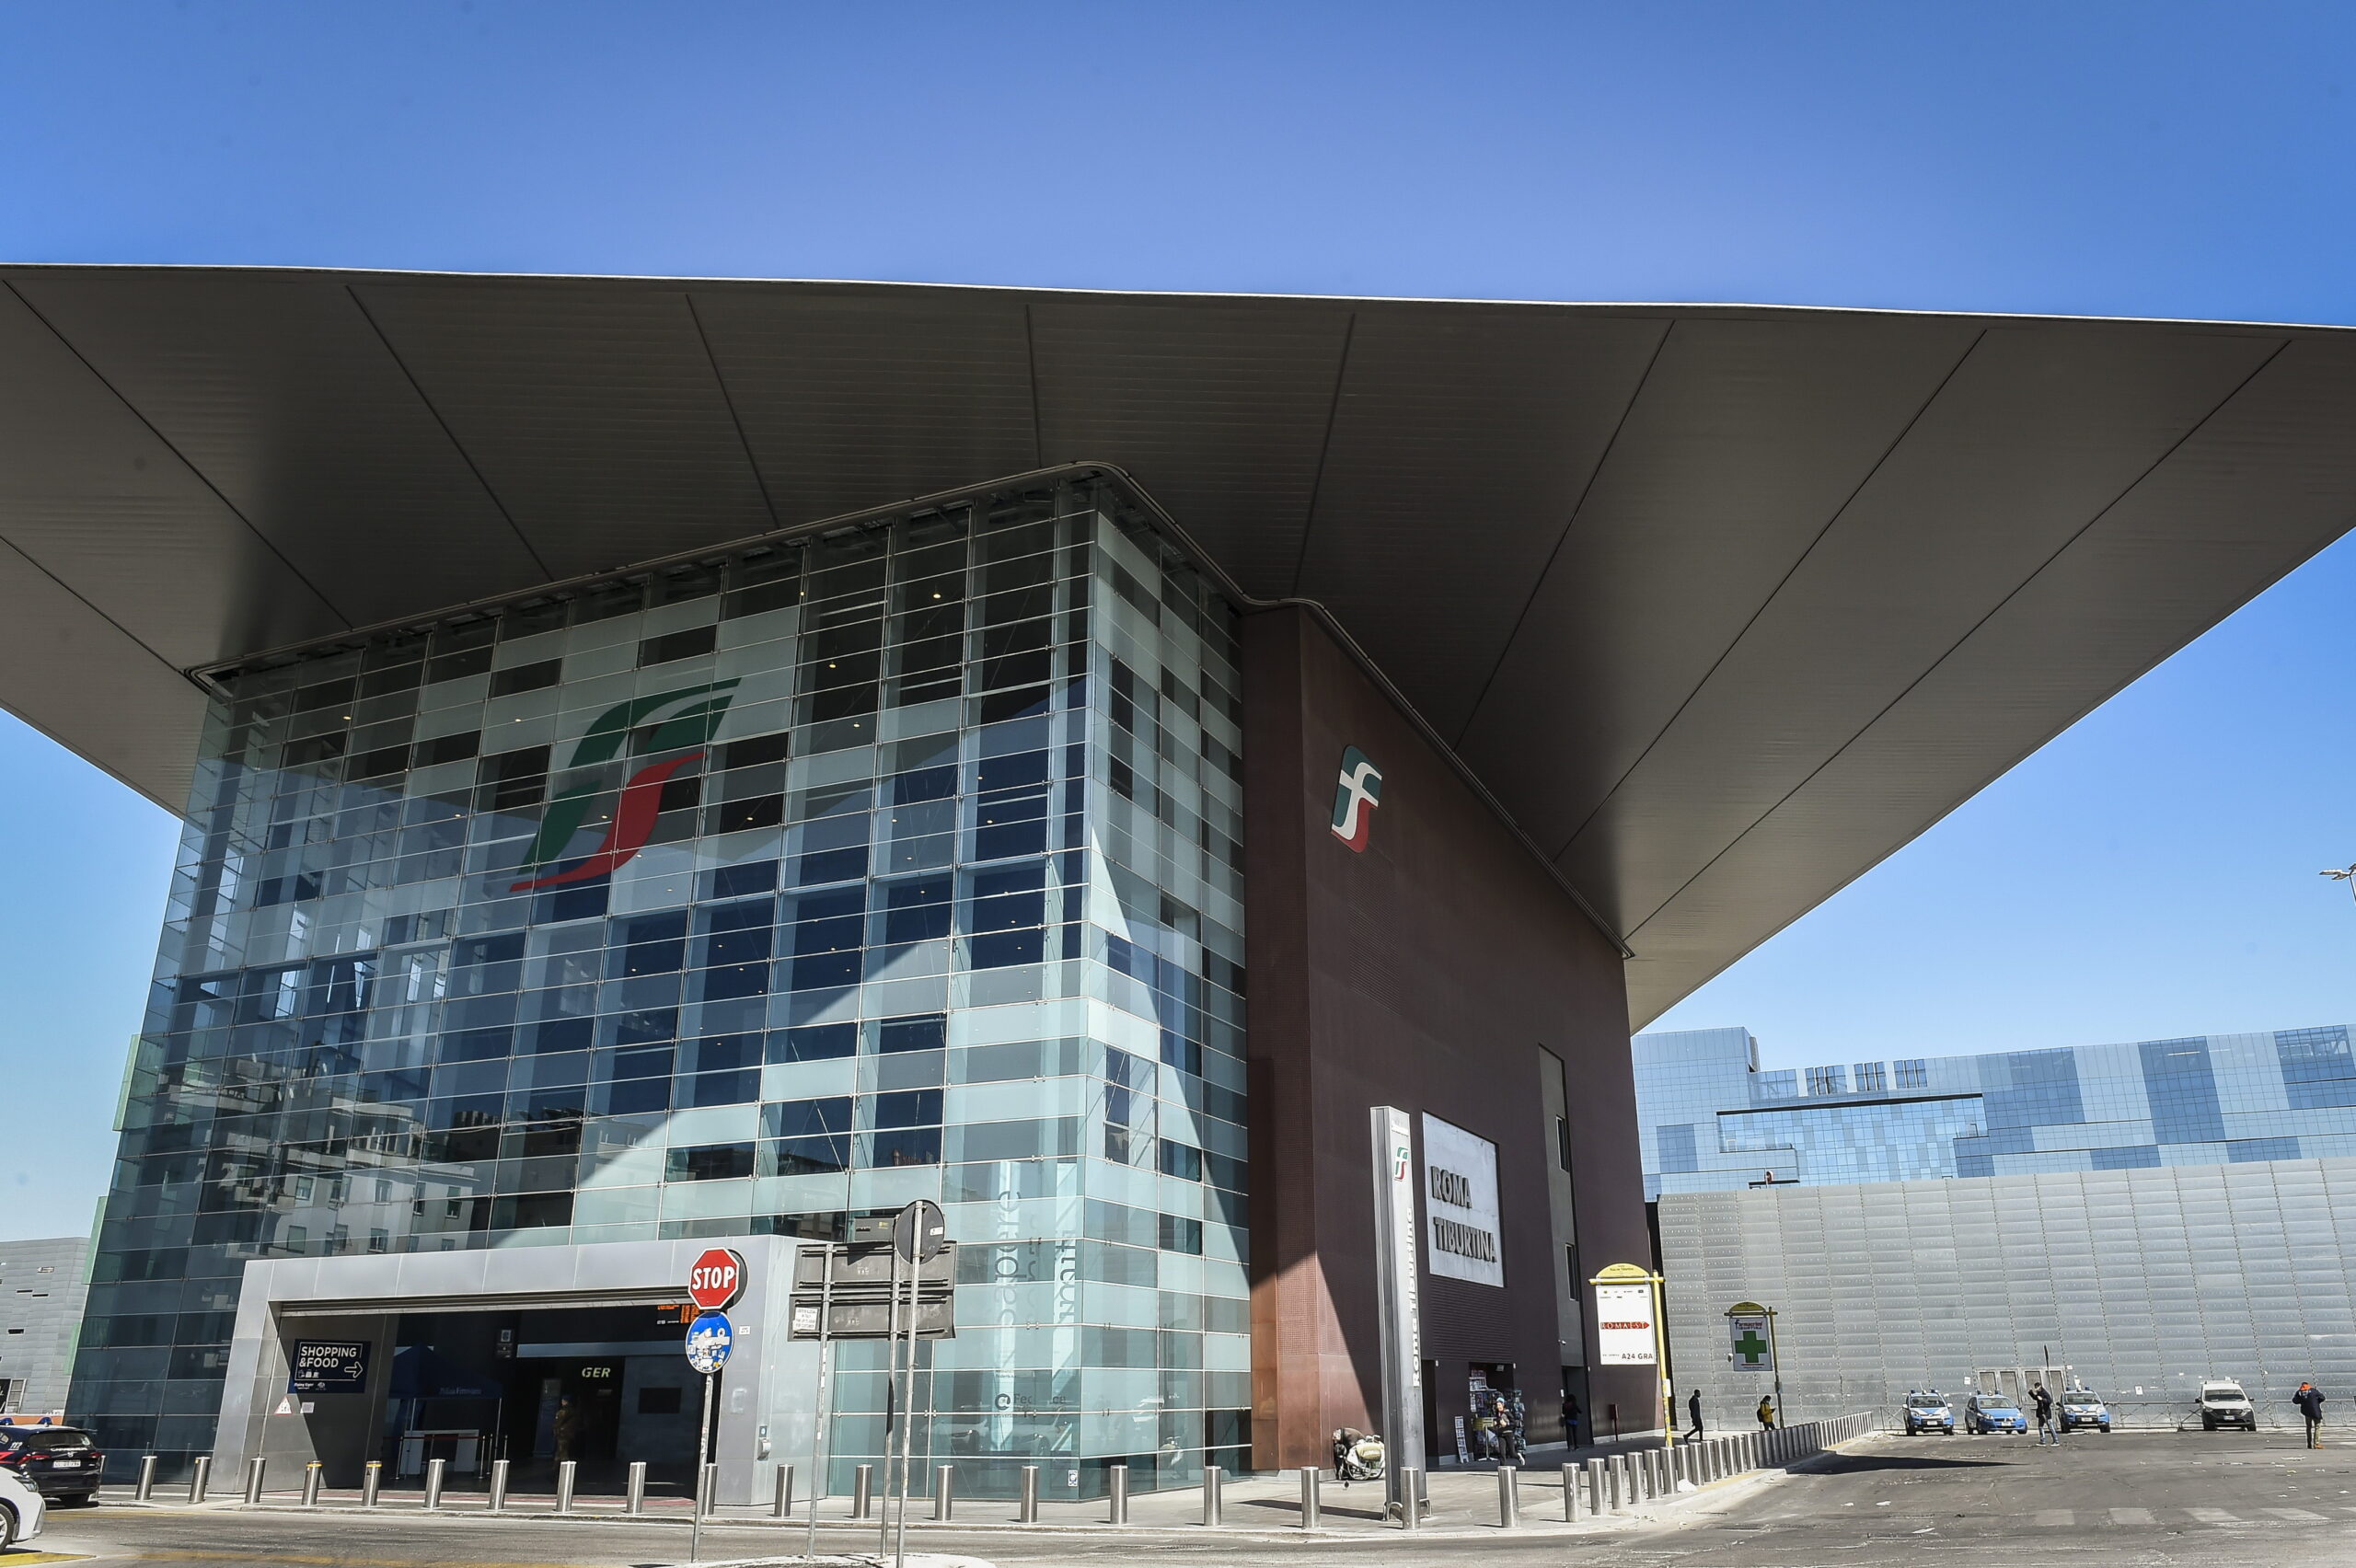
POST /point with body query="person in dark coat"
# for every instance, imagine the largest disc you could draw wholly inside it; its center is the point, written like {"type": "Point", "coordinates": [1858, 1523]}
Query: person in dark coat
{"type": "Point", "coordinates": [2309, 1399]}
{"type": "Point", "coordinates": [2046, 1429]}
{"type": "Point", "coordinates": [1694, 1405]}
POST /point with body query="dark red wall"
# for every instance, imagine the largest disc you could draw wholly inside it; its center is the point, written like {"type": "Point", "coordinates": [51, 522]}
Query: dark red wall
{"type": "Point", "coordinates": [1426, 973]}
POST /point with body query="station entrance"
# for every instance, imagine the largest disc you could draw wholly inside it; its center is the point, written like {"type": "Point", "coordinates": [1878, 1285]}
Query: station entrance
{"type": "Point", "coordinates": [602, 1386]}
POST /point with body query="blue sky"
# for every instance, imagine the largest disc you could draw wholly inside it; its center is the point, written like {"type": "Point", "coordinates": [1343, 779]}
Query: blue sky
{"type": "Point", "coordinates": [2153, 872]}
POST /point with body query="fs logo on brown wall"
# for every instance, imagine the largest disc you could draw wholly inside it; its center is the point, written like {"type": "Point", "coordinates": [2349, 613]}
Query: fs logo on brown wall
{"type": "Point", "coordinates": [1355, 798]}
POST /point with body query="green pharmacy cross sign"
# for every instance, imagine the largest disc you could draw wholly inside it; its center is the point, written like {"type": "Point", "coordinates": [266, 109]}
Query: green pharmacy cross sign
{"type": "Point", "coordinates": [1752, 1328]}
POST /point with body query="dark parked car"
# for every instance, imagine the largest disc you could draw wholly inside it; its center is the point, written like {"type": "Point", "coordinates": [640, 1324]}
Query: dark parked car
{"type": "Point", "coordinates": [61, 1462]}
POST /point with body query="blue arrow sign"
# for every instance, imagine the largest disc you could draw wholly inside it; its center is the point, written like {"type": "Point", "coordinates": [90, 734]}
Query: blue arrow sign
{"type": "Point", "coordinates": [710, 1338]}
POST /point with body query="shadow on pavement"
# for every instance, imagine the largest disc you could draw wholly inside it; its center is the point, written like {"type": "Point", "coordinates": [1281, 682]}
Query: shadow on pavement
{"type": "Point", "coordinates": [1856, 1464]}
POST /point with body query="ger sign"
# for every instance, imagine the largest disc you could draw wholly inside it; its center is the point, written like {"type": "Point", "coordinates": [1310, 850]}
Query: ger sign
{"type": "Point", "coordinates": [717, 1279]}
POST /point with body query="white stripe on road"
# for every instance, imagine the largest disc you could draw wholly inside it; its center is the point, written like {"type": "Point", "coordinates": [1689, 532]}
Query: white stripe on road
{"type": "Point", "coordinates": [2213, 1516]}
{"type": "Point", "coordinates": [2131, 1515]}
{"type": "Point", "coordinates": [2299, 1516]}
{"type": "Point", "coordinates": [2060, 1518]}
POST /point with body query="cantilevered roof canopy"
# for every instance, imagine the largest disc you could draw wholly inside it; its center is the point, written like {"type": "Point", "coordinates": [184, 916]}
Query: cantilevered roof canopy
{"type": "Point", "coordinates": [1724, 604]}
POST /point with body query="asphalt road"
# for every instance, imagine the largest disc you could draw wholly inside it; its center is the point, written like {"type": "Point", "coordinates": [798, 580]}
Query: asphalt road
{"type": "Point", "coordinates": [2148, 1500]}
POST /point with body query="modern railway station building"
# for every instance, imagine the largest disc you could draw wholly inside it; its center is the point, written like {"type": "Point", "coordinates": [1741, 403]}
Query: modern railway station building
{"type": "Point", "coordinates": [666, 761]}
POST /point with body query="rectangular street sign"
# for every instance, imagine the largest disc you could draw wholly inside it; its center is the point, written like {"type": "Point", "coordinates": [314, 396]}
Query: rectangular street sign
{"type": "Point", "coordinates": [1623, 1325]}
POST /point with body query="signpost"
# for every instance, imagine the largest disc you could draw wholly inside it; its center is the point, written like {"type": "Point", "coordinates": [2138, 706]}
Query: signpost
{"type": "Point", "coordinates": [919, 1233]}
{"type": "Point", "coordinates": [714, 1282]}
{"type": "Point", "coordinates": [1752, 1329]}
{"type": "Point", "coordinates": [1627, 1331]}
{"type": "Point", "coordinates": [1400, 1313]}
{"type": "Point", "coordinates": [896, 1276]}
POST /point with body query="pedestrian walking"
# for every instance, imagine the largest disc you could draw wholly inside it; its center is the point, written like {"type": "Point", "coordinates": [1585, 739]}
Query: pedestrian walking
{"type": "Point", "coordinates": [1693, 1403]}
{"type": "Point", "coordinates": [1766, 1414]}
{"type": "Point", "coordinates": [2047, 1429]}
{"type": "Point", "coordinates": [2309, 1399]}
{"type": "Point", "coordinates": [1571, 1420]}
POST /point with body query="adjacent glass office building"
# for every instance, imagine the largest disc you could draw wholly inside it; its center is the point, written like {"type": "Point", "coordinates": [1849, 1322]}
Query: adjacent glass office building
{"type": "Point", "coordinates": [1712, 1120]}
{"type": "Point", "coordinates": [735, 897]}
{"type": "Point", "coordinates": [2136, 1217]}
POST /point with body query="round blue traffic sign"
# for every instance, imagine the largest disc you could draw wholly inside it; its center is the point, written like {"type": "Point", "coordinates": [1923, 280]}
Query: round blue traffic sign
{"type": "Point", "coordinates": [710, 1338]}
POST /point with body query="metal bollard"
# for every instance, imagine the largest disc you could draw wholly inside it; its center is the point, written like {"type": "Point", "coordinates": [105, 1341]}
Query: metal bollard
{"type": "Point", "coordinates": [1210, 1495]}
{"type": "Point", "coordinates": [147, 1487]}
{"type": "Point", "coordinates": [1116, 1496]}
{"type": "Point", "coordinates": [436, 1472]}
{"type": "Point", "coordinates": [1311, 1508]}
{"type": "Point", "coordinates": [200, 1478]}
{"type": "Point", "coordinates": [1593, 1470]}
{"type": "Point", "coordinates": [1411, 1500]}
{"type": "Point", "coordinates": [372, 1482]}
{"type": "Point", "coordinates": [1664, 1479]}
{"type": "Point", "coordinates": [633, 1495]}
{"type": "Point", "coordinates": [863, 1490]}
{"type": "Point", "coordinates": [1028, 1503]}
{"type": "Point", "coordinates": [1570, 1494]}
{"type": "Point", "coordinates": [1509, 1497]}
{"type": "Point", "coordinates": [496, 1501]}
{"type": "Point", "coordinates": [944, 1490]}
{"type": "Point", "coordinates": [568, 1476]}
{"type": "Point", "coordinates": [708, 1491]}
{"type": "Point", "coordinates": [782, 1504]}
{"type": "Point", "coordinates": [254, 1467]}
{"type": "Point", "coordinates": [311, 1474]}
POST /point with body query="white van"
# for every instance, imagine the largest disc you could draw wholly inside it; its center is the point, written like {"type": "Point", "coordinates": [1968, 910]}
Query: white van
{"type": "Point", "coordinates": [2222, 1403]}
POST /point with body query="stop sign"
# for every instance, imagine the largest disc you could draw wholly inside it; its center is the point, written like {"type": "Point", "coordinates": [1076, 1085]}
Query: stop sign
{"type": "Point", "coordinates": [717, 1280]}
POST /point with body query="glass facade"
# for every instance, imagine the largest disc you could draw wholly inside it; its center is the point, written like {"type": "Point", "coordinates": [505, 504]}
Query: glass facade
{"type": "Point", "coordinates": [735, 897]}
{"type": "Point", "coordinates": [1711, 1121]}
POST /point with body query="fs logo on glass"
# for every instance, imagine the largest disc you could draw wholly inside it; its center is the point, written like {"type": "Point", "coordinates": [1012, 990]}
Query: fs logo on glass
{"type": "Point", "coordinates": [1354, 800]}
{"type": "Point", "coordinates": [673, 727]}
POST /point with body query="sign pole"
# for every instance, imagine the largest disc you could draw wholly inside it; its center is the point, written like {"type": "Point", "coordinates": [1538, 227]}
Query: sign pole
{"type": "Point", "coordinates": [892, 1421]}
{"type": "Point", "coordinates": [1778, 1360]}
{"type": "Point", "coordinates": [714, 1282]}
{"type": "Point", "coordinates": [908, 1429]}
{"type": "Point", "coordinates": [1660, 1350]}
{"type": "Point", "coordinates": [818, 1408]}
{"type": "Point", "coordinates": [703, 1458]}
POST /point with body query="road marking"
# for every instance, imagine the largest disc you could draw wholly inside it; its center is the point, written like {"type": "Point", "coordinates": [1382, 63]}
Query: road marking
{"type": "Point", "coordinates": [2131, 1515]}
{"type": "Point", "coordinates": [2057, 1517]}
{"type": "Point", "coordinates": [2299, 1516]}
{"type": "Point", "coordinates": [2214, 1517]}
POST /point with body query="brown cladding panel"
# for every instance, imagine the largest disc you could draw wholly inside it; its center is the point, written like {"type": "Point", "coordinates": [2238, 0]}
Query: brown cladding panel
{"type": "Point", "coordinates": [1426, 972]}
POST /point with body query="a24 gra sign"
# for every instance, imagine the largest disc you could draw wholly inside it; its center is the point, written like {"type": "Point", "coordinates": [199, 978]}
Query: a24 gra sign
{"type": "Point", "coordinates": [717, 1280]}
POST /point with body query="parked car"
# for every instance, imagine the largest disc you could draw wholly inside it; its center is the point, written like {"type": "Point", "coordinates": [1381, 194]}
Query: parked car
{"type": "Point", "coordinates": [21, 1510]}
{"type": "Point", "coordinates": [2082, 1407]}
{"type": "Point", "coordinates": [1927, 1410]}
{"type": "Point", "coordinates": [1983, 1414]}
{"type": "Point", "coordinates": [60, 1462]}
{"type": "Point", "coordinates": [2222, 1403]}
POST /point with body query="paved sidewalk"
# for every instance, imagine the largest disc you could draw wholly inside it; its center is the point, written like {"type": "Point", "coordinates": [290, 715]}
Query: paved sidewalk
{"type": "Point", "coordinates": [1464, 1502]}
